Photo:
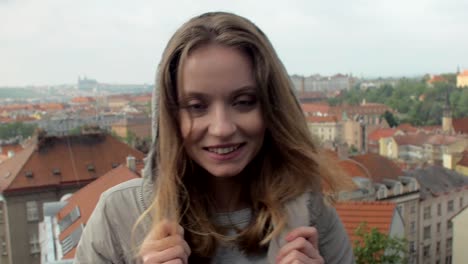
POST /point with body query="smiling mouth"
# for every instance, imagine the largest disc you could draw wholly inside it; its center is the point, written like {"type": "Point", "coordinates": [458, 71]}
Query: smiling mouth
{"type": "Point", "coordinates": [224, 150]}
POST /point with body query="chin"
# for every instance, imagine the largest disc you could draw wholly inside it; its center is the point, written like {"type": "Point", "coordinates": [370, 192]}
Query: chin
{"type": "Point", "coordinates": [225, 173]}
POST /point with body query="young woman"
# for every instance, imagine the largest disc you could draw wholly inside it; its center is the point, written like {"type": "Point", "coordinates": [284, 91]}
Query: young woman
{"type": "Point", "coordinates": [234, 175]}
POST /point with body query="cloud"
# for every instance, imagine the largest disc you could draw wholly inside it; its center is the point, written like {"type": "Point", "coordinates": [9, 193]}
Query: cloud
{"type": "Point", "coordinates": [54, 41]}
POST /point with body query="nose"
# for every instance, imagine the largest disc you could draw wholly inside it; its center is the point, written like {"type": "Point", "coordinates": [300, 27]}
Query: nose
{"type": "Point", "coordinates": [222, 123]}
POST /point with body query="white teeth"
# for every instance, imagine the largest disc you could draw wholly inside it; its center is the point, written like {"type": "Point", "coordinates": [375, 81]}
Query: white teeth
{"type": "Point", "coordinates": [223, 151]}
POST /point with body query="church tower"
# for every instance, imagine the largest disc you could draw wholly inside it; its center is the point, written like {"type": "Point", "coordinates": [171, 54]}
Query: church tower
{"type": "Point", "coordinates": [447, 126]}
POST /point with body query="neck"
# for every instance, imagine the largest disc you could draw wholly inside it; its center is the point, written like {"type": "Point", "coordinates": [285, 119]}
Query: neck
{"type": "Point", "coordinates": [228, 194]}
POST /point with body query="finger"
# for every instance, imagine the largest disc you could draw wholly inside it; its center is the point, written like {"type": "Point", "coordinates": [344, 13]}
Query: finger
{"type": "Point", "coordinates": [295, 257]}
{"type": "Point", "coordinates": [180, 230]}
{"type": "Point", "coordinates": [175, 261]}
{"type": "Point", "coordinates": [308, 232]}
{"type": "Point", "coordinates": [177, 252]}
{"type": "Point", "coordinates": [298, 244]}
{"type": "Point", "coordinates": [163, 244]}
{"type": "Point", "coordinates": [163, 229]}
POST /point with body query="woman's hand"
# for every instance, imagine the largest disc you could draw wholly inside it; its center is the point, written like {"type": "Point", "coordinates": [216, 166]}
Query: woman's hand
{"type": "Point", "coordinates": [301, 247]}
{"type": "Point", "coordinates": [166, 245]}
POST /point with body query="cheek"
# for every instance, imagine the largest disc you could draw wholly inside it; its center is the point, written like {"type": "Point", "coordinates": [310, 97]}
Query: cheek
{"type": "Point", "coordinates": [185, 125]}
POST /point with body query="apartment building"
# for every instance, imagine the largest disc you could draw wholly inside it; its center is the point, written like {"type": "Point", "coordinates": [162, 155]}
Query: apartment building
{"type": "Point", "coordinates": [64, 221]}
{"type": "Point", "coordinates": [45, 171]}
{"type": "Point", "coordinates": [443, 194]}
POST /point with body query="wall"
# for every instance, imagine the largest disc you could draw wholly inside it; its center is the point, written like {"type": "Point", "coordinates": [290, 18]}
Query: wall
{"type": "Point", "coordinates": [460, 237]}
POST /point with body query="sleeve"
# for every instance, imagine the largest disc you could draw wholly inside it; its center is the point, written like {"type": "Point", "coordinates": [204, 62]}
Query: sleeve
{"type": "Point", "coordinates": [97, 244]}
{"type": "Point", "coordinates": [334, 244]}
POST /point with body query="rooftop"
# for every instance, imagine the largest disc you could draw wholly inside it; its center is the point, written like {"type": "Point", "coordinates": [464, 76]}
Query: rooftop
{"type": "Point", "coordinates": [375, 214]}
{"type": "Point", "coordinates": [62, 161]}
{"type": "Point", "coordinates": [436, 180]}
{"type": "Point", "coordinates": [86, 199]}
{"type": "Point", "coordinates": [379, 167]}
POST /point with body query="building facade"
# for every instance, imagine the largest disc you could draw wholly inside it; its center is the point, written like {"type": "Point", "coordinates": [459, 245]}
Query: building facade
{"type": "Point", "coordinates": [46, 170]}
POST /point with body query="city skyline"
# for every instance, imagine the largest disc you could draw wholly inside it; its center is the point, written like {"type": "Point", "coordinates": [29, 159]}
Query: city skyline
{"type": "Point", "coordinates": [53, 42]}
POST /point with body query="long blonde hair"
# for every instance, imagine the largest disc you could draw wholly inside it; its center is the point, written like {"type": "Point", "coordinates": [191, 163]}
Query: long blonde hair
{"type": "Point", "coordinates": [288, 165]}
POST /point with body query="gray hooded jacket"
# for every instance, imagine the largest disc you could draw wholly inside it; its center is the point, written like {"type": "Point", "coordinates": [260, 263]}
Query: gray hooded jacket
{"type": "Point", "coordinates": [110, 236]}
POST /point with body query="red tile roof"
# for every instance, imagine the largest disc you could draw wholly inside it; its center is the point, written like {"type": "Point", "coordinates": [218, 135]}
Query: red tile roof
{"type": "Point", "coordinates": [87, 197]}
{"type": "Point", "coordinates": [379, 133]}
{"type": "Point", "coordinates": [411, 139]}
{"type": "Point", "coordinates": [376, 214]}
{"type": "Point", "coordinates": [436, 78]}
{"type": "Point", "coordinates": [10, 147]}
{"type": "Point", "coordinates": [354, 169]}
{"type": "Point", "coordinates": [78, 159]}
{"type": "Point", "coordinates": [379, 167]}
{"type": "Point", "coordinates": [314, 108]}
{"type": "Point", "coordinates": [51, 106]}
{"type": "Point", "coordinates": [365, 109]}
{"type": "Point", "coordinates": [83, 100]}
{"type": "Point", "coordinates": [463, 73]}
{"type": "Point", "coordinates": [146, 98]}
{"type": "Point", "coordinates": [442, 139]}
{"type": "Point", "coordinates": [322, 119]}
{"type": "Point", "coordinates": [10, 168]}
{"type": "Point", "coordinates": [407, 128]}
{"type": "Point", "coordinates": [310, 95]}
{"type": "Point", "coordinates": [460, 125]}
{"type": "Point", "coordinates": [464, 159]}
{"type": "Point", "coordinates": [431, 128]}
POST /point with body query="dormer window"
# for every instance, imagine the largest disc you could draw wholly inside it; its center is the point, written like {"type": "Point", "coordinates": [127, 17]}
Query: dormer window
{"type": "Point", "coordinates": [91, 168]}
{"type": "Point", "coordinates": [28, 174]}
{"type": "Point", "coordinates": [56, 171]}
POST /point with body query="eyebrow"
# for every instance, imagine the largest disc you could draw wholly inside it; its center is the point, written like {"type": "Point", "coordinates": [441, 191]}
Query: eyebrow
{"type": "Point", "coordinates": [242, 89]}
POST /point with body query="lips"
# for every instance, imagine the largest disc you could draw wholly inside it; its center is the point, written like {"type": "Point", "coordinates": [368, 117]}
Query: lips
{"type": "Point", "coordinates": [224, 149]}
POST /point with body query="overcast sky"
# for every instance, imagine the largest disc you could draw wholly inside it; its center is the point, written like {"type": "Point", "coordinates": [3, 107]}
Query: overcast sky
{"type": "Point", "coordinates": [55, 41]}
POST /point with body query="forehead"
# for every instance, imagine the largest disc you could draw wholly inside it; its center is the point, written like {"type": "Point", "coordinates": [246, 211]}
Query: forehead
{"type": "Point", "coordinates": [215, 68]}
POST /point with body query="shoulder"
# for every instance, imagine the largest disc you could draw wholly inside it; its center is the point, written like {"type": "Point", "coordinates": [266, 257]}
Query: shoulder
{"type": "Point", "coordinates": [335, 246]}
{"type": "Point", "coordinates": [110, 226]}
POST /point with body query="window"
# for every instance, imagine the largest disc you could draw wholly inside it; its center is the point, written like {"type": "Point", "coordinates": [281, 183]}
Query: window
{"type": "Point", "coordinates": [461, 202]}
{"type": "Point", "coordinates": [426, 251]}
{"type": "Point", "coordinates": [439, 209]}
{"type": "Point", "coordinates": [449, 245]}
{"type": "Point", "coordinates": [427, 232]}
{"type": "Point", "coordinates": [69, 219]}
{"type": "Point", "coordinates": [1, 214]}
{"type": "Point", "coordinates": [438, 247]}
{"type": "Point", "coordinates": [413, 227]}
{"type": "Point", "coordinates": [34, 244]}
{"type": "Point", "coordinates": [413, 209]}
{"type": "Point", "coordinates": [32, 211]}
{"type": "Point", "coordinates": [450, 206]}
{"type": "Point", "coordinates": [4, 246]}
{"type": "Point", "coordinates": [412, 248]}
{"type": "Point", "coordinates": [72, 240]}
{"type": "Point", "coordinates": [449, 225]}
{"type": "Point", "coordinates": [438, 227]}
{"type": "Point", "coordinates": [427, 212]}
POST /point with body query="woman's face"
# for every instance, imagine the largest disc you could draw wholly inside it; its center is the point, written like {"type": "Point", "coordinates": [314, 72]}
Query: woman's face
{"type": "Point", "coordinates": [220, 115]}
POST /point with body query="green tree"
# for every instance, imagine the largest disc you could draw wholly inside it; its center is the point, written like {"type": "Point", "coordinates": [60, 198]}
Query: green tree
{"type": "Point", "coordinates": [131, 138]}
{"type": "Point", "coordinates": [12, 130]}
{"type": "Point", "coordinates": [390, 118]}
{"type": "Point", "coordinates": [373, 247]}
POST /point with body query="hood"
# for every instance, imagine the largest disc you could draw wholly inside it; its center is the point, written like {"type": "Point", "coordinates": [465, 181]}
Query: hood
{"type": "Point", "coordinates": [149, 161]}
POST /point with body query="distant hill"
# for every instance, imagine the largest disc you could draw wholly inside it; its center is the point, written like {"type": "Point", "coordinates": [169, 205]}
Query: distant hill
{"type": "Point", "coordinates": [18, 93]}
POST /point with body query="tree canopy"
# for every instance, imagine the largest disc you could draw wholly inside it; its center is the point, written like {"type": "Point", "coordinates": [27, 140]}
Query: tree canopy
{"type": "Point", "coordinates": [415, 101]}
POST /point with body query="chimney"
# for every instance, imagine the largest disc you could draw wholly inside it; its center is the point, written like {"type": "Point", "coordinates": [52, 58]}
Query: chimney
{"type": "Point", "coordinates": [11, 154]}
{"type": "Point", "coordinates": [131, 163]}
